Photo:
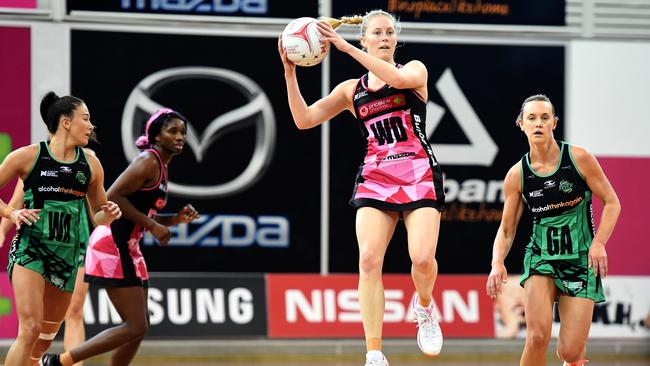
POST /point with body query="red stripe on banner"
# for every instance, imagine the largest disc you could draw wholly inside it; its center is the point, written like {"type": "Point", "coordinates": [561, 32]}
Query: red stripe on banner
{"type": "Point", "coordinates": [627, 249]}
{"type": "Point", "coordinates": [29, 4]}
{"type": "Point", "coordinates": [314, 306]}
{"type": "Point", "coordinates": [14, 101]}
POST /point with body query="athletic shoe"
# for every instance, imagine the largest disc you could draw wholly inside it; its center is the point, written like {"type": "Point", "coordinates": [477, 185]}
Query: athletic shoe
{"type": "Point", "coordinates": [50, 359]}
{"type": "Point", "coordinates": [578, 363]}
{"type": "Point", "coordinates": [429, 333]}
{"type": "Point", "coordinates": [376, 358]}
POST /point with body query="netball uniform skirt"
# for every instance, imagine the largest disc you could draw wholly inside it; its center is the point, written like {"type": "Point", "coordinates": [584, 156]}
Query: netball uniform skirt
{"type": "Point", "coordinates": [115, 264]}
{"type": "Point", "coordinates": [404, 184]}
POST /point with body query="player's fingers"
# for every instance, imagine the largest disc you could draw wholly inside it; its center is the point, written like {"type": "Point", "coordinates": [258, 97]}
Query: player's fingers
{"type": "Point", "coordinates": [603, 267]}
{"type": "Point", "coordinates": [596, 265]}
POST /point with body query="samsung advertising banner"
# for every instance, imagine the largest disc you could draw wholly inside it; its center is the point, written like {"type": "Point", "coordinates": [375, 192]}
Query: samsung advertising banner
{"type": "Point", "coordinates": [475, 94]}
{"type": "Point", "coordinates": [191, 306]}
{"type": "Point", "coordinates": [511, 12]}
{"type": "Point", "coordinates": [251, 174]}
{"type": "Point", "coordinates": [240, 8]}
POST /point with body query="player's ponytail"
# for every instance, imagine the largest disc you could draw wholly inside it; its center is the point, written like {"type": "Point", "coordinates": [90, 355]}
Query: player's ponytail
{"type": "Point", "coordinates": [53, 107]}
{"type": "Point", "coordinates": [335, 23]}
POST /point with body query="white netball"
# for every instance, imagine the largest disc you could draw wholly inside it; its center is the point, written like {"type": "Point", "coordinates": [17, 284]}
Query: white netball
{"type": "Point", "coordinates": [303, 42]}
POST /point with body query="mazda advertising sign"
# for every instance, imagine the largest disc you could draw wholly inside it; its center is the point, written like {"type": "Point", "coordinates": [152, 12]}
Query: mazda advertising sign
{"type": "Point", "coordinates": [230, 8]}
{"type": "Point", "coordinates": [252, 175]}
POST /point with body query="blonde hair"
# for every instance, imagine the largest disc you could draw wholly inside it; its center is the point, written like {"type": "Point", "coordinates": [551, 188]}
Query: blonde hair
{"type": "Point", "coordinates": [335, 23]}
{"type": "Point", "coordinates": [375, 13]}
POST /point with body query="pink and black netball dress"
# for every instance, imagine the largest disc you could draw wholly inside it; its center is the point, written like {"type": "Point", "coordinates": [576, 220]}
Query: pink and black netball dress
{"type": "Point", "coordinates": [114, 258]}
{"type": "Point", "coordinates": [399, 171]}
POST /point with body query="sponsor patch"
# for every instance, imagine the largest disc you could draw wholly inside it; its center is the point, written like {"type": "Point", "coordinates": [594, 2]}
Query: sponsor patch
{"type": "Point", "coordinates": [381, 105]}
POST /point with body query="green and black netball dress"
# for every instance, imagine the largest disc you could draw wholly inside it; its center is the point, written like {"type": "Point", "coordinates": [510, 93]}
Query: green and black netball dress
{"type": "Point", "coordinates": [51, 246]}
{"type": "Point", "coordinates": [563, 227]}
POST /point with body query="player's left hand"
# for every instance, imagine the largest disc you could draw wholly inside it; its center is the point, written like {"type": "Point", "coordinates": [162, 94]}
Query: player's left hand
{"type": "Point", "coordinates": [187, 214]}
{"type": "Point", "coordinates": [112, 210]}
{"type": "Point", "coordinates": [598, 258]}
{"type": "Point", "coordinates": [332, 37]}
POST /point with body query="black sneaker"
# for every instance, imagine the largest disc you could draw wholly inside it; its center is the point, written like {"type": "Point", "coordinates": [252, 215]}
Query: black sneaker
{"type": "Point", "coordinates": [50, 359]}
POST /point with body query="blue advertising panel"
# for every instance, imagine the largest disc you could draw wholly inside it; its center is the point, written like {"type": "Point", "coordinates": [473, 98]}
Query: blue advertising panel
{"type": "Point", "coordinates": [240, 8]}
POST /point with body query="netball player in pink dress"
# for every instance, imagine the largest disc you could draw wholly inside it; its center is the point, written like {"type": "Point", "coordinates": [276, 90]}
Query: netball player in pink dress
{"type": "Point", "coordinates": [113, 259]}
{"type": "Point", "coordinates": [399, 176]}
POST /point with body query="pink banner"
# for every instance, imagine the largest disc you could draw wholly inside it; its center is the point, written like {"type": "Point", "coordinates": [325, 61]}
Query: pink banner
{"type": "Point", "coordinates": [8, 318]}
{"type": "Point", "coordinates": [28, 4]}
{"type": "Point", "coordinates": [14, 102]}
{"type": "Point", "coordinates": [627, 249]}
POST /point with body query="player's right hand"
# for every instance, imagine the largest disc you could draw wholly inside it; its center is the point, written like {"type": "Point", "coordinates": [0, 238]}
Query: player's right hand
{"type": "Point", "coordinates": [161, 233]}
{"type": "Point", "coordinates": [497, 278]}
{"type": "Point", "coordinates": [26, 216]}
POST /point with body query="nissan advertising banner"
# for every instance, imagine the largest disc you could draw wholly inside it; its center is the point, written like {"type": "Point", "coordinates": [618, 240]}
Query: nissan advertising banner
{"type": "Point", "coordinates": [511, 12]}
{"type": "Point", "coordinates": [316, 306]}
{"type": "Point", "coordinates": [475, 94]}
{"type": "Point", "coordinates": [252, 175]}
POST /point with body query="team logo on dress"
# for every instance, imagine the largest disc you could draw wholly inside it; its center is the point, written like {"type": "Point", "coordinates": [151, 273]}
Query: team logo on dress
{"type": "Point", "coordinates": [363, 111]}
{"type": "Point", "coordinates": [49, 173]}
{"type": "Point", "coordinates": [56, 281]}
{"type": "Point", "coordinates": [549, 184]}
{"type": "Point", "coordinates": [381, 105]}
{"type": "Point", "coordinates": [81, 177]}
{"type": "Point", "coordinates": [573, 285]}
{"type": "Point", "coordinates": [566, 186]}
{"type": "Point", "coordinates": [360, 95]}
{"type": "Point", "coordinates": [160, 203]}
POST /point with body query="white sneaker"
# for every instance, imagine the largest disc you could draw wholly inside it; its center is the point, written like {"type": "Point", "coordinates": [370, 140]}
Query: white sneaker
{"type": "Point", "coordinates": [376, 358]}
{"type": "Point", "coordinates": [429, 333]}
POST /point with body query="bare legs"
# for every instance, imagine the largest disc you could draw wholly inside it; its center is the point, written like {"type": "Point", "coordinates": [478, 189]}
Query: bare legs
{"type": "Point", "coordinates": [575, 316]}
{"type": "Point", "coordinates": [74, 323]}
{"type": "Point", "coordinates": [31, 293]}
{"type": "Point", "coordinates": [423, 226]}
{"type": "Point", "coordinates": [131, 304]}
{"type": "Point", "coordinates": [374, 229]}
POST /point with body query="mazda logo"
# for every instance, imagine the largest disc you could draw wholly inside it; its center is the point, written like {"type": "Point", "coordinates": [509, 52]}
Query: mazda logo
{"type": "Point", "coordinates": [258, 107]}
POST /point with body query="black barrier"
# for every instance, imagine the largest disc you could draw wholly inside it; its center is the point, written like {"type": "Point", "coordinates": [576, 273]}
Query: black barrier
{"type": "Point", "coordinates": [512, 12]}
{"type": "Point", "coordinates": [253, 176]}
{"type": "Point", "coordinates": [191, 306]}
{"type": "Point", "coordinates": [475, 93]}
{"type": "Point", "coordinates": [245, 8]}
